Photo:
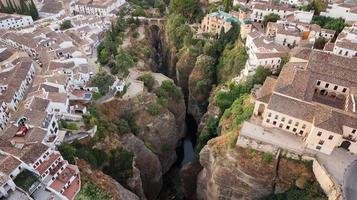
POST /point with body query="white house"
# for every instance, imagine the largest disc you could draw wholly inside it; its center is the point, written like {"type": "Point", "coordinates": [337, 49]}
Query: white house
{"type": "Point", "coordinates": [344, 10]}
{"type": "Point", "coordinates": [263, 51]}
{"type": "Point", "coordinates": [346, 42]}
{"type": "Point", "coordinates": [262, 9]}
{"type": "Point", "coordinates": [96, 7]}
{"type": "Point", "coordinates": [8, 21]}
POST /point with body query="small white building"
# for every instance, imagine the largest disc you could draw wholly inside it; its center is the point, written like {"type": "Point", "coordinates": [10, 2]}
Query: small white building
{"type": "Point", "coordinates": [9, 21]}
{"type": "Point", "coordinates": [346, 42]}
{"type": "Point", "coordinates": [96, 7]}
{"type": "Point", "coordinates": [262, 9]}
{"type": "Point", "coordinates": [346, 11]}
{"type": "Point", "coordinates": [263, 51]}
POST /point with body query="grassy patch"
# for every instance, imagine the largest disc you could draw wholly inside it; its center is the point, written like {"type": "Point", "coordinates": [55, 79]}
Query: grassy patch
{"type": "Point", "coordinates": [90, 191]}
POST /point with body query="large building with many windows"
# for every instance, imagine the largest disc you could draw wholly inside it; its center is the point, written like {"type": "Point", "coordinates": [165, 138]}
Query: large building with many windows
{"type": "Point", "coordinates": [96, 7]}
{"type": "Point", "coordinates": [346, 42]}
{"type": "Point", "coordinates": [315, 100]}
{"type": "Point", "coordinates": [8, 21]}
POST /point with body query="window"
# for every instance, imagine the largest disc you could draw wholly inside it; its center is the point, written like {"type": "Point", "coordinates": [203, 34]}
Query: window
{"type": "Point", "coordinates": [354, 131]}
{"type": "Point", "coordinates": [268, 120]}
{"type": "Point", "coordinates": [294, 129]}
{"type": "Point", "coordinates": [276, 116]}
{"type": "Point", "coordinates": [321, 142]}
{"type": "Point", "coordinates": [344, 89]}
{"type": "Point", "coordinates": [330, 137]}
{"type": "Point", "coordinates": [296, 123]}
{"type": "Point", "coordinates": [274, 122]}
{"type": "Point", "coordinates": [335, 88]}
{"type": "Point", "coordinates": [280, 125]}
{"type": "Point", "coordinates": [319, 133]}
{"type": "Point", "coordinates": [287, 127]}
{"type": "Point", "coordinates": [290, 121]}
{"type": "Point", "coordinates": [269, 115]}
{"type": "Point", "coordinates": [283, 119]}
{"type": "Point", "coordinates": [318, 83]}
{"type": "Point", "coordinates": [318, 147]}
{"type": "Point", "coordinates": [326, 86]}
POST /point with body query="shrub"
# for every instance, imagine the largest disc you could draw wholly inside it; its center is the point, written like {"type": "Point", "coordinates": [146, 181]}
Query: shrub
{"type": "Point", "coordinates": [148, 80]}
{"type": "Point", "coordinates": [267, 157]}
{"type": "Point", "coordinates": [103, 81]}
{"type": "Point", "coordinates": [168, 90]}
{"type": "Point", "coordinates": [209, 132]}
{"type": "Point", "coordinates": [91, 191]}
{"type": "Point", "coordinates": [154, 109]}
{"type": "Point", "coordinates": [233, 140]}
{"type": "Point", "coordinates": [72, 126]}
{"type": "Point", "coordinates": [66, 25]}
{"type": "Point", "coordinates": [123, 126]}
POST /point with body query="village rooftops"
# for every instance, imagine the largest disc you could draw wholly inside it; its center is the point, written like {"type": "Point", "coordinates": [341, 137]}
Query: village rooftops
{"type": "Point", "coordinates": [8, 164]}
{"type": "Point", "coordinates": [224, 16]}
{"type": "Point", "coordinates": [267, 46]}
{"type": "Point", "coordinates": [348, 38]}
{"type": "Point", "coordinates": [97, 3]}
{"type": "Point", "coordinates": [273, 6]}
{"type": "Point", "coordinates": [29, 153]}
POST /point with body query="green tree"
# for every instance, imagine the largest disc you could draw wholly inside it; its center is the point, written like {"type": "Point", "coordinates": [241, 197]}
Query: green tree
{"type": "Point", "coordinates": [148, 80]}
{"type": "Point", "coordinates": [123, 62]}
{"type": "Point", "coordinates": [272, 17]}
{"type": "Point", "coordinates": [190, 9]}
{"type": "Point", "coordinates": [68, 152]}
{"type": "Point", "coordinates": [228, 5]}
{"type": "Point", "coordinates": [103, 81]}
{"type": "Point", "coordinates": [336, 24]}
{"type": "Point", "coordinates": [261, 73]}
{"type": "Point", "coordinates": [66, 25]}
{"type": "Point", "coordinates": [104, 56]}
{"type": "Point", "coordinates": [33, 10]}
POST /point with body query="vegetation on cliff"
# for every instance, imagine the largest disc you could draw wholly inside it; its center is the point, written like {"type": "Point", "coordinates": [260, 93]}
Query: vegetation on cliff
{"type": "Point", "coordinates": [89, 191]}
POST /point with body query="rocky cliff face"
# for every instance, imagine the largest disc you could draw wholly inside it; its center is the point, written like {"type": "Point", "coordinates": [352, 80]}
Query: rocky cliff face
{"type": "Point", "coordinates": [105, 182]}
{"type": "Point", "coordinates": [237, 173]}
{"type": "Point", "coordinates": [154, 145]}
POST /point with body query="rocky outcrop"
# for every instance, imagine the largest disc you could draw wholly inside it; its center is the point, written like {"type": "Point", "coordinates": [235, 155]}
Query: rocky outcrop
{"type": "Point", "coordinates": [184, 67]}
{"type": "Point", "coordinates": [154, 146]}
{"type": "Point", "coordinates": [147, 163]}
{"type": "Point", "coordinates": [105, 182]}
{"type": "Point", "coordinates": [200, 84]}
{"type": "Point", "coordinates": [242, 174]}
{"type": "Point", "coordinates": [188, 174]}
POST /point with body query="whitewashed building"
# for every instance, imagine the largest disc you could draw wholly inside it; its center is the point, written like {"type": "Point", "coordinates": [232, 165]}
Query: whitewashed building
{"type": "Point", "coordinates": [262, 9]}
{"type": "Point", "coordinates": [314, 100]}
{"type": "Point", "coordinates": [263, 51]}
{"type": "Point", "coordinates": [9, 21]}
{"type": "Point", "coordinates": [96, 7]}
{"type": "Point", "coordinates": [346, 42]}
{"type": "Point", "coordinates": [346, 11]}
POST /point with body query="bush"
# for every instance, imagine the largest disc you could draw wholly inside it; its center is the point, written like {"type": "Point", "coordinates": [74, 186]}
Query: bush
{"type": "Point", "coordinates": [72, 126]}
{"type": "Point", "coordinates": [68, 152]}
{"type": "Point", "coordinates": [91, 191]}
{"type": "Point", "coordinates": [267, 157]}
{"type": "Point", "coordinates": [233, 140]}
{"type": "Point", "coordinates": [209, 132]}
{"type": "Point", "coordinates": [169, 91]}
{"type": "Point", "coordinates": [148, 80]}
{"type": "Point", "coordinates": [260, 75]}
{"type": "Point", "coordinates": [272, 17]}
{"type": "Point", "coordinates": [66, 25]}
{"type": "Point", "coordinates": [123, 126]}
{"type": "Point", "coordinates": [103, 81]}
{"type": "Point", "coordinates": [225, 99]}
{"type": "Point", "coordinates": [154, 109]}
{"type": "Point", "coordinates": [336, 24]}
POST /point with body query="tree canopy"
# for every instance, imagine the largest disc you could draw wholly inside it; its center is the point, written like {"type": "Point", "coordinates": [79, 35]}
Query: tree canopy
{"type": "Point", "coordinates": [272, 17]}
